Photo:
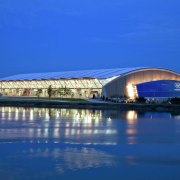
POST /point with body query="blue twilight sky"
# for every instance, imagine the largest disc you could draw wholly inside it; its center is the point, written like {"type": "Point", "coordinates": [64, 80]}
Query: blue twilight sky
{"type": "Point", "coordinates": [58, 35]}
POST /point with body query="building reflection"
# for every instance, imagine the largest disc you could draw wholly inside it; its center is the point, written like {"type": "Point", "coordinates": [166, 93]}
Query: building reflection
{"type": "Point", "coordinates": [132, 129]}
{"type": "Point", "coordinates": [68, 125]}
{"type": "Point", "coordinates": [74, 126]}
{"type": "Point", "coordinates": [73, 158]}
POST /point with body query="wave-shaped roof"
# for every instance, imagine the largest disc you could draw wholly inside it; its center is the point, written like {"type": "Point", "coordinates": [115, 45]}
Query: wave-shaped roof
{"type": "Point", "coordinates": [97, 74]}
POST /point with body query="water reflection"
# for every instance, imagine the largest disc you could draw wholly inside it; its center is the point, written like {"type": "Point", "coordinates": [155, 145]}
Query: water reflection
{"type": "Point", "coordinates": [76, 126]}
{"type": "Point", "coordinates": [53, 125]}
{"type": "Point", "coordinates": [131, 130]}
{"type": "Point", "coordinates": [74, 158]}
{"type": "Point", "coordinates": [56, 141]}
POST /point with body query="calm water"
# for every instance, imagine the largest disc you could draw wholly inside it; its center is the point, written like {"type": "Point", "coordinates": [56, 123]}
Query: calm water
{"type": "Point", "coordinates": [38, 143]}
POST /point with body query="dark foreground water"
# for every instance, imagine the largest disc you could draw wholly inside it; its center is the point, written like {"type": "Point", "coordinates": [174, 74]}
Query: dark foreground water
{"type": "Point", "coordinates": [38, 143]}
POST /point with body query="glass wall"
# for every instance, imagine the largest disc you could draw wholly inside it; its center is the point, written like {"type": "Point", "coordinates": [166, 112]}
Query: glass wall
{"type": "Point", "coordinates": [162, 88]}
{"type": "Point", "coordinates": [68, 88]}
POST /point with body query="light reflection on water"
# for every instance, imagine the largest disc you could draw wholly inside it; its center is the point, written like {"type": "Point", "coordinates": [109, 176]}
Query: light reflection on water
{"type": "Point", "coordinates": [83, 126]}
{"type": "Point", "coordinates": [75, 140]}
{"type": "Point", "coordinates": [52, 124]}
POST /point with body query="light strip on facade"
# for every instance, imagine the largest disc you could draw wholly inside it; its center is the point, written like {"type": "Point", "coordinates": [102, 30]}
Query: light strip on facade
{"type": "Point", "coordinates": [130, 91]}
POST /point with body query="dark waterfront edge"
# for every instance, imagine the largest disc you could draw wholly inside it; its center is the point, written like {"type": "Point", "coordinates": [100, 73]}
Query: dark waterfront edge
{"type": "Point", "coordinates": [90, 105]}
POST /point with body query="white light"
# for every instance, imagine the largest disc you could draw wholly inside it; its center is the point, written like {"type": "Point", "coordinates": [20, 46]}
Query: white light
{"type": "Point", "coordinates": [131, 116]}
{"type": "Point", "coordinates": [31, 118]}
{"type": "Point", "coordinates": [46, 132]}
{"type": "Point", "coordinates": [130, 91]}
{"type": "Point", "coordinates": [56, 133]}
{"type": "Point", "coordinates": [24, 114]}
{"type": "Point", "coordinates": [16, 114]}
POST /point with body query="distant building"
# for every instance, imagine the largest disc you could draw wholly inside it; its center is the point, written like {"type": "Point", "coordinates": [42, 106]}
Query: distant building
{"type": "Point", "coordinates": [130, 82]}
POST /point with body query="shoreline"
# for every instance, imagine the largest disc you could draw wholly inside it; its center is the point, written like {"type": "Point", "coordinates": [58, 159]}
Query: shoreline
{"type": "Point", "coordinates": [90, 105]}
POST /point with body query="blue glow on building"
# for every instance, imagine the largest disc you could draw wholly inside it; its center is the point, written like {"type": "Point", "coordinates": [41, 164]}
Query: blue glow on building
{"type": "Point", "coordinates": [161, 89]}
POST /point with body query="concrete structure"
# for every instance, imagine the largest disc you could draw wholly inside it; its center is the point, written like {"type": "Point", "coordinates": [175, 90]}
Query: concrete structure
{"type": "Point", "coordinates": [128, 82]}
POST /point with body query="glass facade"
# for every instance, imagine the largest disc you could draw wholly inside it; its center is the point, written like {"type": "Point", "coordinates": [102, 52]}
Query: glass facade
{"type": "Point", "coordinates": [78, 88]}
{"type": "Point", "coordinates": [80, 84]}
{"type": "Point", "coordinates": [161, 88]}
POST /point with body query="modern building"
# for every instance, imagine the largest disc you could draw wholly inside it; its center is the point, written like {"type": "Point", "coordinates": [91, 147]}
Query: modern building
{"type": "Point", "coordinates": [130, 82]}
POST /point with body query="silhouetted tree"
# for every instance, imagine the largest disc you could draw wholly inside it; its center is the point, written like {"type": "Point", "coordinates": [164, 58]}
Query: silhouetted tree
{"type": "Point", "coordinates": [49, 91]}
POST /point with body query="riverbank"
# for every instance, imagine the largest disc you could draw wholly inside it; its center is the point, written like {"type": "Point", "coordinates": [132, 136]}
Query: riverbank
{"type": "Point", "coordinates": [84, 104]}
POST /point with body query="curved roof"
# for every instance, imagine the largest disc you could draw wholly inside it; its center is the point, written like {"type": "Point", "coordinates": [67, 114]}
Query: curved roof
{"type": "Point", "coordinates": [97, 74]}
